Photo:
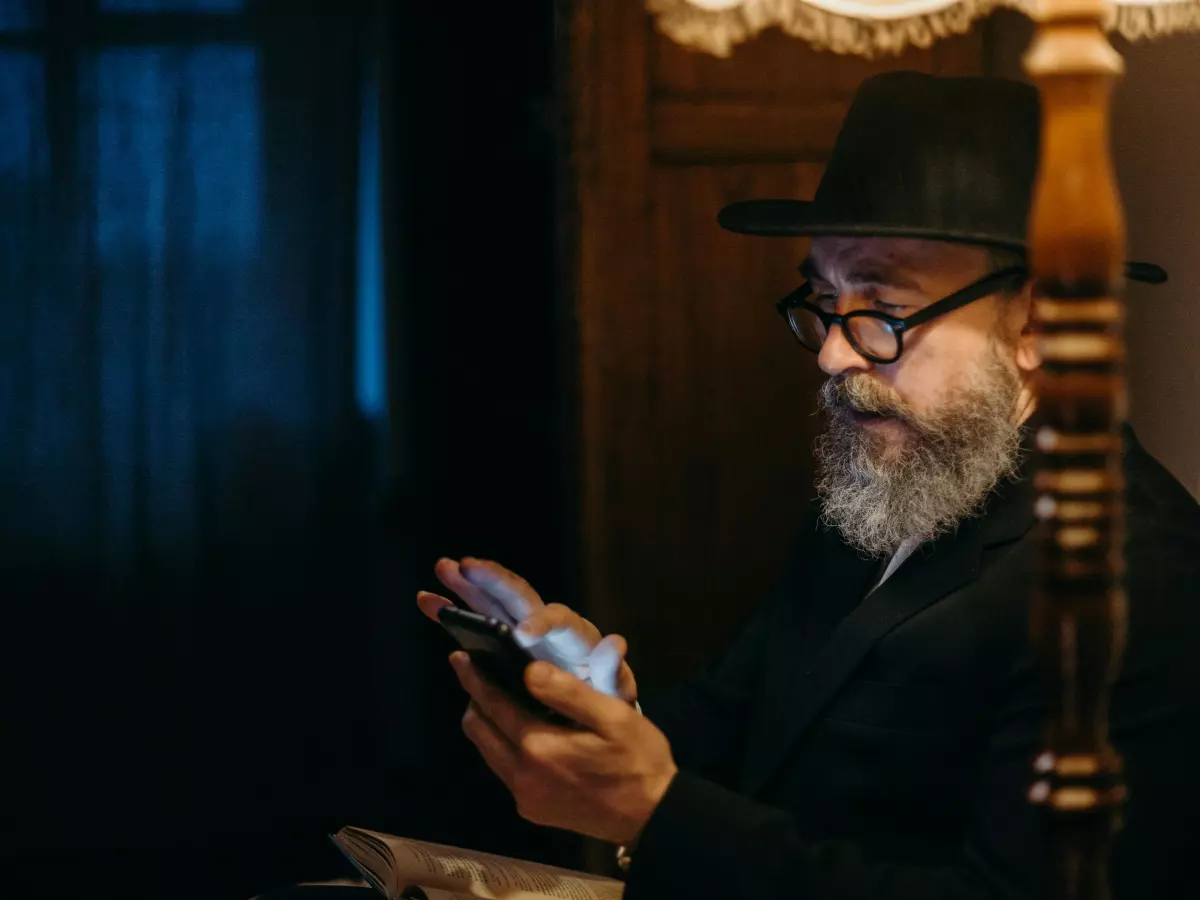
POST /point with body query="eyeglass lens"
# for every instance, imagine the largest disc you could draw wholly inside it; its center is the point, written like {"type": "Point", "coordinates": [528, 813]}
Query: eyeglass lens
{"type": "Point", "coordinates": [867, 334]}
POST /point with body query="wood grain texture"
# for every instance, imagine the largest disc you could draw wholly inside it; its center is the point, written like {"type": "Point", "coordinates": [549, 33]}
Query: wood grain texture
{"type": "Point", "coordinates": [684, 131]}
{"type": "Point", "coordinates": [717, 433]}
{"type": "Point", "coordinates": [776, 66]}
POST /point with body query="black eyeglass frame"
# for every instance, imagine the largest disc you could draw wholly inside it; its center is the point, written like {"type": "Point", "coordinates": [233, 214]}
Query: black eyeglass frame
{"type": "Point", "coordinates": [976, 290]}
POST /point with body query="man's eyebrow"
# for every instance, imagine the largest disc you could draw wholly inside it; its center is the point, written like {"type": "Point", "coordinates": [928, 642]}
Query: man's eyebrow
{"type": "Point", "coordinates": [882, 276]}
{"type": "Point", "coordinates": [865, 273]}
{"type": "Point", "coordinates": [808, 269]}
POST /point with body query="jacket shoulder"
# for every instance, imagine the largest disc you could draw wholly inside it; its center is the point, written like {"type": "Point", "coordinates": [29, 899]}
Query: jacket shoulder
{"type": "Point", "coordinates": [1158, 509]}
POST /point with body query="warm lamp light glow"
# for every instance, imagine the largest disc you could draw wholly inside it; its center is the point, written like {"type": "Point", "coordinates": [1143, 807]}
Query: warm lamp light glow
{"type": "Point", "coordinates": [881, 28]}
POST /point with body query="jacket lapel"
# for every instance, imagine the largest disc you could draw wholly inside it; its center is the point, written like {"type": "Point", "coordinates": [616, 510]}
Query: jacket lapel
{"type": "Point", "coordinates": [804, 671]}
{"type": "Point", "coordinates": [798, 686]}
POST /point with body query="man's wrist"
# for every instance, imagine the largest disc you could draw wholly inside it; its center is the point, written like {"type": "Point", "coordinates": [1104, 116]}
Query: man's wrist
{"type": "Point", "coordinates": [625, 850]}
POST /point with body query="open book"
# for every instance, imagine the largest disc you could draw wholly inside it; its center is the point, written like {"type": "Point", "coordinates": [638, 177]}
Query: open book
{"type": "Point", "coordinates": [400, 868]}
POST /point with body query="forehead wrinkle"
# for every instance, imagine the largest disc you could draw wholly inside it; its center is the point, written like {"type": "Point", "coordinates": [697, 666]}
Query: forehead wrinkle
{"type": "Point", "coordinates": [864, 272]}
{"type": "Point", "coordinates": [852, 264]}
{"type": "Point", "coordinates": [869, 272]}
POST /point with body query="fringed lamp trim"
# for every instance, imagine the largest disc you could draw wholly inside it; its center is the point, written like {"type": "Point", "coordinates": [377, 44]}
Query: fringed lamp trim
{"type": "Point", "coordinates": [874, 29]}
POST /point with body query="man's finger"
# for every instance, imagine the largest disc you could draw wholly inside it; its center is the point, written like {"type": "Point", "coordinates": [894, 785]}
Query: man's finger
{"type": "Point", "coordinates": [511, 590]}
{"type": "Point", "coordinates": [431, 603]}
{"type": "Point", "coordinates": [609, 672]}
{"type": "Point", "coordinates": [626, 684]}
{"type": "Point", "coordinates": [449, 573]}
{"type": "Point", "coordinates": [510, 719]}
{"type": "Point", "coordinates": [555, 616]}
{"type": "Point", "coordinates": [612, 651]}
{"type": "Point", "coordinates": [499, 754]}
{"type": "Point", "coordinates": [575, 699]}
{"type": "Point", "coordinates": [604, 665]}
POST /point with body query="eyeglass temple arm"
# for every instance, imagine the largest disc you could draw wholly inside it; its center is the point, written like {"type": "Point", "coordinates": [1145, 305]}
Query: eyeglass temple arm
{"type": "Point", "coordinates": [972, 292]}
{"type": "Point", "coordinates": [793, 299]}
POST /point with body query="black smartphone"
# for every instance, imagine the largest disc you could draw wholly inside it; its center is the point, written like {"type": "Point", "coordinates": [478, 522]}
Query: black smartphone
{"type": "Point", "coordinates": [494, 651]}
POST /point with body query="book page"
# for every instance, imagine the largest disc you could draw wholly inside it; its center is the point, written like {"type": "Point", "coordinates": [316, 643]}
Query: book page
{"type": "Point", "coordinates": [370, 856]}
{"type": "Point", "coordinates": [484, 875]}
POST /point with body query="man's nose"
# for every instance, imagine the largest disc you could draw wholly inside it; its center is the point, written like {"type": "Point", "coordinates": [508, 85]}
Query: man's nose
{"type": "Point", "coordinates": [838, 354]}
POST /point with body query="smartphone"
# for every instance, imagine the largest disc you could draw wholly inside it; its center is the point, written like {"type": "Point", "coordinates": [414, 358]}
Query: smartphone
{"type": "Point", "coordinates": [494, 651]}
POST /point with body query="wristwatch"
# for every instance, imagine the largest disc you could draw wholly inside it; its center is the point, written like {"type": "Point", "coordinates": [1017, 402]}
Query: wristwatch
{"type": "Point", "coordinates": [624, 857]}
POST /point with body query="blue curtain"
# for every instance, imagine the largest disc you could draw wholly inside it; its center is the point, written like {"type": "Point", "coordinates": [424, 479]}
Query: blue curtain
{"type": "Point", "coordinates": [185, 471]}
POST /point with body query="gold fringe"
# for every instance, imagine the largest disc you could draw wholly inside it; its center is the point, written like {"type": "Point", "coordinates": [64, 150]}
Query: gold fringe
{"type": "Point", "coordinates": [718, 31]}
{"type": "Point", "coordinates": [1142, 22]}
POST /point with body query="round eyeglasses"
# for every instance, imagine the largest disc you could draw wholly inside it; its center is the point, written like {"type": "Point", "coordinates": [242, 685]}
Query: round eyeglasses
{"type": "Point", "coordinates": [876, 336]}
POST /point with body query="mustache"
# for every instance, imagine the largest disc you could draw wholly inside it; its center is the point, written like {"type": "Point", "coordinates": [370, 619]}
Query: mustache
{"type": "Point", "coordinates": [860, 393]}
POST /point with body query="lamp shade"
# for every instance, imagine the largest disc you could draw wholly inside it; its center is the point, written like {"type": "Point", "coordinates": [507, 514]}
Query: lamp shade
{"type": "Point", "coordinates": [872, 28]}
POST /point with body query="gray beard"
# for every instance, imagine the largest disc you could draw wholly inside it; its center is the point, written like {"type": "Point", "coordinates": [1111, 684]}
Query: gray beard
{"type": "Point", "coordinates": [882, 494]}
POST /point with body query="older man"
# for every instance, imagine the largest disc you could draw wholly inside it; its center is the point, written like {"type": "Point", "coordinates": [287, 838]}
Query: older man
{"type": "Point", "coordinates": [871, 732]}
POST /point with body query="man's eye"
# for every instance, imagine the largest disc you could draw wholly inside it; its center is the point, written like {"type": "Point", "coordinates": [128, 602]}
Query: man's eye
{"type": "Point", "coordinates": [827, 302]}
{"type": "Point", "coordinates": [892, 309]}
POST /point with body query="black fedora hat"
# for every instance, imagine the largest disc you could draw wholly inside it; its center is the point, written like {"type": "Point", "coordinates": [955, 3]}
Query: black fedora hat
{"type": "Point", "coordinates": [923, 156]}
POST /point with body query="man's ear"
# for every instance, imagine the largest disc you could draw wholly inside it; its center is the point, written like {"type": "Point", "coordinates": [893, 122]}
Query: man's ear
{"type": "Point", "coordinates": [1029, 354]}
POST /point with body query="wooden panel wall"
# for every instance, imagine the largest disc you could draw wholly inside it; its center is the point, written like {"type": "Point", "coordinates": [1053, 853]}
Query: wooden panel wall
{"type": "Point", "coordinates": [695, 405]}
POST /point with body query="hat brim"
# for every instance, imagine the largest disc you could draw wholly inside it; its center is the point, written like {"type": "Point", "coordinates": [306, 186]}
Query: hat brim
{"type": "Point", "coordinates": [800, 218]}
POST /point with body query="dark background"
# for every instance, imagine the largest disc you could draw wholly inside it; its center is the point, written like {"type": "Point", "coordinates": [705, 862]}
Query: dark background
{"type": "Point", "coordinates": [209, 545]}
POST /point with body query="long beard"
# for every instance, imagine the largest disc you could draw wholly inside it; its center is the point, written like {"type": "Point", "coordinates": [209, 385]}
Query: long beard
{"type": "Point", "coordinates": [882, 493]}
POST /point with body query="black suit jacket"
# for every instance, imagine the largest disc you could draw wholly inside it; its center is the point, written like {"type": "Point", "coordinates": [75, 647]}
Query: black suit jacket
{"type": "Point", "coordinates": [883, 747]}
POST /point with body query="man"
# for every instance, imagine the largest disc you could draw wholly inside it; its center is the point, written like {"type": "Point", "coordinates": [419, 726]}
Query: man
{"type": "Point", "coordinates": [872, 731]}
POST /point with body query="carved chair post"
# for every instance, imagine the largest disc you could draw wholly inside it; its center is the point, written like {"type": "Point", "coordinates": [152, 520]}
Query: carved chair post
{"type": "Point", "coordinates": [1077, 245]}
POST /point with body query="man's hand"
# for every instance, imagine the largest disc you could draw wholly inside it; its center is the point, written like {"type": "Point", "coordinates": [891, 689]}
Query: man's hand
{"type": "Point", "coordinates": [492, 590]}
{"type": "Point", "coordinates": [603, 780]}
